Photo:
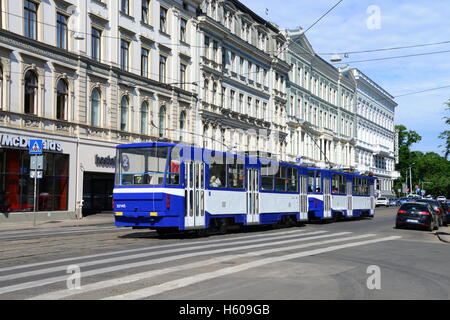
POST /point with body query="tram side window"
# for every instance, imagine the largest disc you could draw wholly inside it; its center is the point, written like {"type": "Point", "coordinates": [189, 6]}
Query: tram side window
{"type": "Point", "coordinates": [173, 177]}
{"type": "Point", "coordinates": [292, 179]}
{"type": "Point", "coordinates": [217, 172]}
{"type": "Point", "coordinates": [365, 191]}
{"type": "Point", "coordinates": [281, 179]}
{"type": "Point", "coordinates": [311, 182]}
{"type": "Point", "coordinates": [342, 185]}
{"type": "Point", "coordinates": [266, 177]}
{"type": "Point", "coordinates": [356, 186]}
{"type": "Point", "coordinates": [318, 182]}
{"type": "Point", "coordinates": [236, 174]}
{"type": "Point", "coordinates": [335, 184]}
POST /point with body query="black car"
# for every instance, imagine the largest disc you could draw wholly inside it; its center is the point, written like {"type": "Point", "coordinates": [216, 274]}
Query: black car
{"type": "Point", "coordinates": [439, 209]}
{"type": "Point", "coordinates": [418, 214]}
{"type": "Point", "coordinates": [446, 208]}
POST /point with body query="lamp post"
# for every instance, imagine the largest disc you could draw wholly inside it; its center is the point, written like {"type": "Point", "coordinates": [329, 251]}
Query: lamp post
{"type": "Point", "coordinates": [410, 178]}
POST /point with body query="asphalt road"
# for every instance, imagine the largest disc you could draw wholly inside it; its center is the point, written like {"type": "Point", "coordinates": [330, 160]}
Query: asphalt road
{"type": "Point", "coordinates": [361, 259]}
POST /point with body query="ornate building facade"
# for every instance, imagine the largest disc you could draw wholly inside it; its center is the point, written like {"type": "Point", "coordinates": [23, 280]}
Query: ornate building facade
{"type": "Point", "coordinates": [85, 76]}
{"type": "Point", "coordinates": [321, 100]}
{"type": "Point", "coordinates": [376, 147]}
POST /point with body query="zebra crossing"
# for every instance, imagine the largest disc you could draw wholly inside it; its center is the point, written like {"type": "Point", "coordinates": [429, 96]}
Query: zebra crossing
{"type": "Point", "coordinates": [143, 273]}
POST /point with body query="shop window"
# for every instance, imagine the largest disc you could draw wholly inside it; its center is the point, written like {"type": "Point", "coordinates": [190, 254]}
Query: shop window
{"type": "Point", "coordinates": [17, 188]}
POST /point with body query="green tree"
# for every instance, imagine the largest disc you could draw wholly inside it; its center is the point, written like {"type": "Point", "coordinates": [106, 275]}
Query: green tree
{"type": "Point", "coordinates": [406, 138]}
{"type": "Point", "coordinates": [445, 135]}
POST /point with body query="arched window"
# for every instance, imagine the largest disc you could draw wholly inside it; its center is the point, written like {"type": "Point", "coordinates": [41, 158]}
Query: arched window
{"type": "Point", "coordinates": [95, 107]}
{"type": "Point", "coordinates": [162, 121]}
{"type": "Point", "coordinates": [182, 125]}
{"type": "Point", "coordinates": [144, 118]}
{"type": "Point", "coordinates": [124, 113]}
{"type": "Point", "coordinates": [31, 92]}
{"type": "Point", "coordinates": [61, 99]}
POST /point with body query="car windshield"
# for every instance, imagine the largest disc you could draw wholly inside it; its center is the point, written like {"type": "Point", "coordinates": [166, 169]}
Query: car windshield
{"type": "Point", "coordinates": [382, 199]}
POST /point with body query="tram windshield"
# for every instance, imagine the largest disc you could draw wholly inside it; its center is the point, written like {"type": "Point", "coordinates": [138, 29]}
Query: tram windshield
{"type": "Point", "coordinates": [147, 166]}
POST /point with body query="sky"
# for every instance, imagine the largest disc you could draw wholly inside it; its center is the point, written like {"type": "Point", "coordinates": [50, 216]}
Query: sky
{"type": "Point", "coordinates": [356, 25]}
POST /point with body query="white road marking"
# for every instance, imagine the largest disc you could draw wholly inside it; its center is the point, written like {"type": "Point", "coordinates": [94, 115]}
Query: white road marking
{"type": "Point", "coordinates": [269, 235]}
{"type": "Point", "coordinates": [42, 282]}
{"type": "Point", "coordinates": [148, 274]}
{"type": "Point", "coordinates": [184, 282]}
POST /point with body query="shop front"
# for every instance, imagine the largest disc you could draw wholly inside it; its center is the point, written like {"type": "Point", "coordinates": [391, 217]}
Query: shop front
{"type": "Point", "coordinates": [16, 185]}
{"type": "Point", "coordinates": [98, 162]}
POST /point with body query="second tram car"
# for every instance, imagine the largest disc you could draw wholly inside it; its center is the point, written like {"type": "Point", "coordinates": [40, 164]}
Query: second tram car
{"type": "Point", "coordinates": [165, 186]}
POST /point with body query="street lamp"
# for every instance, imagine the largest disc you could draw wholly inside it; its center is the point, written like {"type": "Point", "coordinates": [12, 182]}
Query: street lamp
{"type": "Point", "coordinates": [410, 178]}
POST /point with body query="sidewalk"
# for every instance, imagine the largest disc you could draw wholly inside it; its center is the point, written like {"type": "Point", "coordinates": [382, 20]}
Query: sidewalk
{"type": "Point", "coordinates": [91, 220]}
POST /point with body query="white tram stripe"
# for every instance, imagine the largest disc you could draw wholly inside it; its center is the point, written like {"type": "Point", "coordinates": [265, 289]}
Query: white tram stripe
{"type": "Point", "coordinates": [143, 255]}
{"type": "Point", "coordinates": [42, 282]}
{"type": "Point", "coordinates": [184, 282]}
{"type": "Point", "coordinates": [266, 234]}
{"type": "Point", "coordinates": [60, 294]}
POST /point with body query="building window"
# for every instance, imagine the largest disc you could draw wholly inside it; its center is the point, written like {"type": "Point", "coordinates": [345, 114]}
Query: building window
{"type": "Point", "coordinates": [162, 69]}
{"type": "Point", "coordinates": [182, 76]}
{"type": "Point", "coordinates": [1, 87]}
{"type": "Point", "coordinates": [62, 92]}
{"type": "Point", "coordinates": [124, 114]}
{"type": "Point", "coordinates": [125, 6]}
{"type": "Point", "coordinates": [162, 121]}
{"type": "Point", "coordinates": [61, 31]}
{"type": "Point", "coordinates": [144, 118]}
{"type": "Point", "coordinates": [144, 63]}
{"type": "Point", "coordinates": [96, 44]}
{"type": "Point", "coordinates": [183, 23]}
{"type": "Point", "coordinates": [215, 49]}
{"type": "Point", "coordinates": [182, 125]}
{"type": "Point", "coordinates": [145, 11]}
{"type": "Point", "coordinates": [163, 20]}
{"type": "Point", "coordinates": [31, 92]}
{"type": "Point", "coordinates": [95, 107]}
{"type": "Point", "coordinates": [124, 54]}
{"type": "Point", "coordinates": [30, 19]}
{"type": "Point", "coordinates": [206, 47]}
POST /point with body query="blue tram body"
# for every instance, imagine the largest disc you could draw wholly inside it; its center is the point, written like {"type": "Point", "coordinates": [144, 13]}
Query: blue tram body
{"type": "Point", "coordinates": [163, 185]}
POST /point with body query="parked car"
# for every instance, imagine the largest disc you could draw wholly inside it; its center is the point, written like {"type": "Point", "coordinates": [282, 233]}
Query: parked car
{"type": "Point", "coordinates": [394, 202]}
{"type": "Point", "coordinates": [439, 209]}
{"type": "Point", "coordinates": [446, 207]}
{"type": "Point", "coordinates": [382, 201]}
{"type": "Point", "coordinates": [402, 200]}
{"type": "Point", "coordinates": [418, 214]}
{"type": "Point", "coordinates": [441, 198]}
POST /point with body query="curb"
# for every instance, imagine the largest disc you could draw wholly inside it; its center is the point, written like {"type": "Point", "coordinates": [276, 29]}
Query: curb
{"type": "Point", "coordinates": [444, 238]}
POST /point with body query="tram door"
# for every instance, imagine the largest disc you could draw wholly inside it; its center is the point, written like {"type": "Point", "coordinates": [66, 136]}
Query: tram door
{"type": "Point", "coordinates": [303, 197]}
{"type": "Point", "coordinates": [252, 196]}
{"type": "Point", "coordinates": [326, 198]}
{"type": "Point", "coordinates": [349, 198]}
{"type": "Point", "coordinates": [195, 195]}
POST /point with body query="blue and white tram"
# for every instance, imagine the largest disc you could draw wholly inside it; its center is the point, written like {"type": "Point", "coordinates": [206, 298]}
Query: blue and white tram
{"type": "Point", "coordinates": [166, 186]}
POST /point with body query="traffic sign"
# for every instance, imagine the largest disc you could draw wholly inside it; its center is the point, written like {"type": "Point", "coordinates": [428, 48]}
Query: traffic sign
{"type": "Point", "coordinates": [36, 174]}
{"type": "Point", "coordinates": [35, 147]}
{"type": "Point", "coordinates": [37, 162]}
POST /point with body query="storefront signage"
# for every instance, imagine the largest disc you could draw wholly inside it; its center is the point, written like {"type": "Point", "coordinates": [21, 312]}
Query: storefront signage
{"type": "Point", "coordinates": [7, 140]}
{"type": "Point", "coordinates": [105, 161]}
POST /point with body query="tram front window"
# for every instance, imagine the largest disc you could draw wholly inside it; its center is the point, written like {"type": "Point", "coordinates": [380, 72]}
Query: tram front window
{"type": "Point", "coordinates": [141, 166]}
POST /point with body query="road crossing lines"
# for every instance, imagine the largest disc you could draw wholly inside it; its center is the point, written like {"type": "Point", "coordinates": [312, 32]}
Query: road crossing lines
{"type": "Point", "coordinates": [184, 282]}
{"type": "Point", "coordinates": [238, 246]}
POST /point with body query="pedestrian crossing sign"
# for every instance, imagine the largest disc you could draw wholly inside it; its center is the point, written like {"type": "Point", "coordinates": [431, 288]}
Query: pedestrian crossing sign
{"type": "Point", "coordinates": [35, 147]}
